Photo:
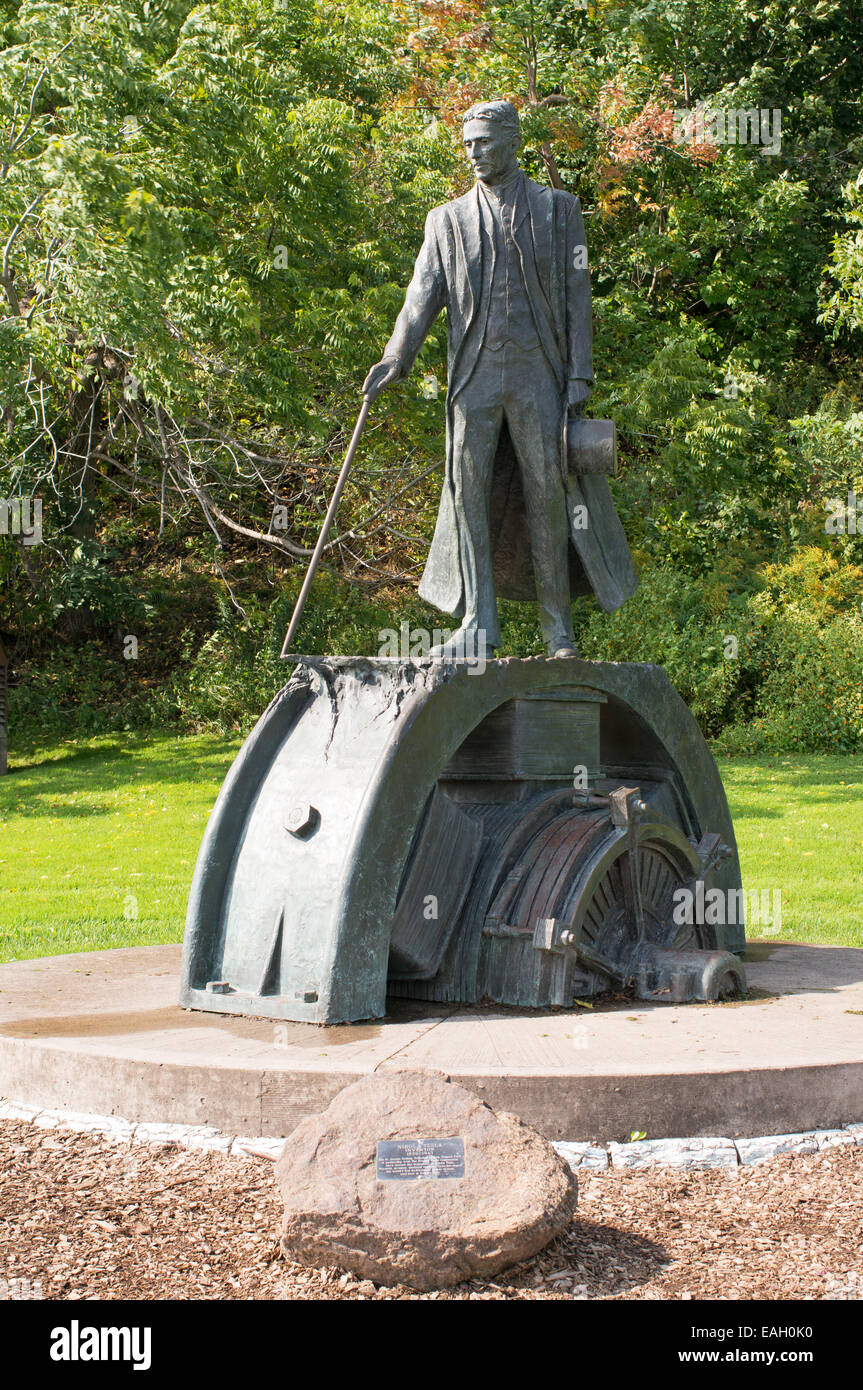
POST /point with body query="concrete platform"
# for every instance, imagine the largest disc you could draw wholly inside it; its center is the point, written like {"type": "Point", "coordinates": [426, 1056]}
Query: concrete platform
{"type": "Point", "coordinates": [102, 1032]}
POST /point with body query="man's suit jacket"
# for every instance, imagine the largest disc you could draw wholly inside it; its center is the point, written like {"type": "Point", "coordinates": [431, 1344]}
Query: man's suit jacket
{"type": "Point", "coordinates": [453, 271]}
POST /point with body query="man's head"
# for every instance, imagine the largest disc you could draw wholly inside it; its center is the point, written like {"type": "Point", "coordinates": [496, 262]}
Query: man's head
{"type": "Point", "coordinates": [491, 139]}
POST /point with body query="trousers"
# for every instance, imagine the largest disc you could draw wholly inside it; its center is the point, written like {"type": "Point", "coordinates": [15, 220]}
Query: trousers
{"type": "Point", "coordinates": [516, 385]}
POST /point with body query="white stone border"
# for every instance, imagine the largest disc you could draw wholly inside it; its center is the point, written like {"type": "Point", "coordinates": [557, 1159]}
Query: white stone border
{"type": "Point", "coordinates": [725, 1154]}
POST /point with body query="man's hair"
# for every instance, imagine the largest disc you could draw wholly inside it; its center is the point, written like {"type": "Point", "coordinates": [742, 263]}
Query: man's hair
{"type": "Point", "coordinates": [501, 112]}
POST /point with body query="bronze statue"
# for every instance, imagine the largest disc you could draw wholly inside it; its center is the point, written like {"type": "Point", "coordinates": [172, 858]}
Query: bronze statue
{"type": "Point", "coordinates": [462, 828]}
{"type": "Point", "coordinates": [508, 261]}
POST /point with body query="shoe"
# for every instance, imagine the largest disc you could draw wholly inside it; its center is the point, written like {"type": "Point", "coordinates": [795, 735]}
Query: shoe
{"type": "Point", "coordinates": [565, 650]}
{"type": "Point", "coordinates": [465, 644]}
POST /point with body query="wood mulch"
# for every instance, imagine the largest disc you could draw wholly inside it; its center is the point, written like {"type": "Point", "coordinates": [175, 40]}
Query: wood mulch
{"type": "Point", "coordinates": [90, 1219]}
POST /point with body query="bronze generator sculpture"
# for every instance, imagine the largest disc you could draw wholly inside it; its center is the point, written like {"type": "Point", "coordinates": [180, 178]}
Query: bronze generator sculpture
{"type": "Point", "coordinates": [459, 827]}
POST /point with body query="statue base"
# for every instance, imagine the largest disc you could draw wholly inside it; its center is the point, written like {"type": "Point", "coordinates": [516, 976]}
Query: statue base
{"type": "Point", "coordinates": [526, 831]}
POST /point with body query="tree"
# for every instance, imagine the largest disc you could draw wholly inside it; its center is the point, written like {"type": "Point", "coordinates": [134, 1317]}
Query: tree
{"type": "Point", "coordinates": [196, 269]}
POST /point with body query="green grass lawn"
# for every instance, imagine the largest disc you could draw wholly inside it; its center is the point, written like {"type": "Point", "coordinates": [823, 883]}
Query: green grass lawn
{"type": "Point", "coordinates": [98, 839]}
{"type": "Point", "coordinates": [799, 826]}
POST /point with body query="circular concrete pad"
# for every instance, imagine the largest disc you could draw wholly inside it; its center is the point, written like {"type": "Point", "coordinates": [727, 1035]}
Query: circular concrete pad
{"type": "Point", "coordinates": [102, 1032]}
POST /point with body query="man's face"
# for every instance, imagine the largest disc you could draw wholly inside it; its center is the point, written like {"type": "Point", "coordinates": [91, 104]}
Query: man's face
{"type": "Point", "coordinates": [490, 149]}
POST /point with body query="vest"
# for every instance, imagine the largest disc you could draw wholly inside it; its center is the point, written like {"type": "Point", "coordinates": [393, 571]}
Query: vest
{"type": "Point", "coordinates": [510, 318]}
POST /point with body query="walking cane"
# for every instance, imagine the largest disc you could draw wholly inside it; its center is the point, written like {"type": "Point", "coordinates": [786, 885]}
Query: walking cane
{"type": "Point", "coordinates": [328, 521]}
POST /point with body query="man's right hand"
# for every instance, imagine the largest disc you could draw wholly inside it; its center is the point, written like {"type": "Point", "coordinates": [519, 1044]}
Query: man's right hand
{"type": "Point", "coordinates": [382, 374]}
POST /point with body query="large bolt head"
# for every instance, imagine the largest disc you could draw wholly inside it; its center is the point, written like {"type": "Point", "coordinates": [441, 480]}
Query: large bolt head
{"type": "Point", "coordinates": [300, 818]}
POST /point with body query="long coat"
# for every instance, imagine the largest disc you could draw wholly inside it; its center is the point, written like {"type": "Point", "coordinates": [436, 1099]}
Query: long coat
{"type": "Point", "coordinates": [454, 271]}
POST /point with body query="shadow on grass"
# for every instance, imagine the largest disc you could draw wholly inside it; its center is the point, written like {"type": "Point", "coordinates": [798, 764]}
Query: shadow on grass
{"type": "Point", "coordinates": [820, 778]}
{"type": "Point", "coordinates": [32, 788]}
{"type": "Point", "coordinates": [80, 810]}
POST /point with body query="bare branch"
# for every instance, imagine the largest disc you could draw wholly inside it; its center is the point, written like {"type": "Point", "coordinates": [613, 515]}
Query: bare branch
{"type": "Point", "coordinates": [7, 281]}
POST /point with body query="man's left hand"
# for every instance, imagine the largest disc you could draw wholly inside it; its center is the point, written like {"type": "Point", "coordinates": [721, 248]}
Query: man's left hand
{"type": "Point", "coordinates": [577, 393]}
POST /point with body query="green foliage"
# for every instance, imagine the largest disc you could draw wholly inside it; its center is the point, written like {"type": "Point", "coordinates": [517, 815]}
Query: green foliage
{"type": "Point", "coordinates": [225, 682]}
{"type": "Point", "coordinates": [209, 213]}
{"type": "Point", "coordinates": [86, 582]}
{"type": "Point", "coordinates": [844, 307]}
{"type": "Point", "coordinates": [779, 669]}
{"type": "Point", "coordinates": [174, 149]}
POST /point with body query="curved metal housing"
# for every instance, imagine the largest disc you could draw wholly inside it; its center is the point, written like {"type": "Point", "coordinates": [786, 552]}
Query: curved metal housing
{"type": "Point", "coordinates": [375, 807]}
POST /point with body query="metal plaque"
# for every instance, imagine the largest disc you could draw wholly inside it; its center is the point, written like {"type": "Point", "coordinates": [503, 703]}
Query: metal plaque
{"type": "Point", "coordinates": [405, 1160]}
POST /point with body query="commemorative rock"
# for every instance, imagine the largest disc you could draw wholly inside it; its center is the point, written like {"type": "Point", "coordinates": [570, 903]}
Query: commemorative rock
{"type": "Point", "coordinates": [409, 1179]}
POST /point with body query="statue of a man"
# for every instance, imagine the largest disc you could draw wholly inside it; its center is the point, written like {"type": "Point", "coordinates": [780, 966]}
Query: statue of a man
{"type": "Point", "coordinates": [508, 262]}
